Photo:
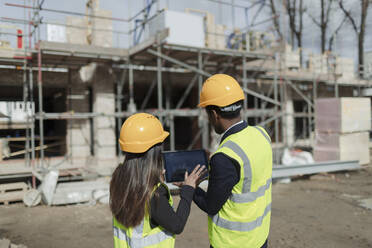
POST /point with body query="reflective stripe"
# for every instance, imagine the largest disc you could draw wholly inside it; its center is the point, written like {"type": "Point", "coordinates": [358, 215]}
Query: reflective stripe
{"type": "Point", "coordinates": [246, 164]}
{"type": "Point", "coordinates": [137, 241]}
{"type": "Point", "coordinates": [240, 226]}
{"type": "Point", "coordinates": [138, 230]}
{"type": "Point", "coordinates": [251, 196]}
{"type": "Point", "coordinates": [263, 133]}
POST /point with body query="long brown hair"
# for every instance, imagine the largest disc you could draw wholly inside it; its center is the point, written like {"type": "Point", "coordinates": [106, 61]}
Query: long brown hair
{"type": "Point", "coordinates": [132, 184]}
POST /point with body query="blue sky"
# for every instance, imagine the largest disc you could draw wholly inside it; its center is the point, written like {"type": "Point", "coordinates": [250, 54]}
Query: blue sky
{"type": "Point", "coordinates": [345, 43]}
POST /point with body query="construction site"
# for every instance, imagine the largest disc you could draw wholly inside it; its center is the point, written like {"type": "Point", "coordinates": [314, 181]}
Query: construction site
{"type": "Point", "coordinates": [71, 73]}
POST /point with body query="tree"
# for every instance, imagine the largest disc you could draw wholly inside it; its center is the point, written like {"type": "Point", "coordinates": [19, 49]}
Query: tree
{"type": "Point", "coordinates": [360, 29]}
{"type": "Point", "coordinates": [295, 25]}
{"type": "Point", "coordinates": [275, 20]}
{"type": "Point", "coordinates": [323, 20]}
{"type": "Point", "coordinates": [334, 34]}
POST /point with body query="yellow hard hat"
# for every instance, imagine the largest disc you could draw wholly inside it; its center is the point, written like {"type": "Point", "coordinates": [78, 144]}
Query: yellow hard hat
{"type": "Point", "coordinates": [220, 90]}
{"type": "Point", "coordinates": [140, 132]}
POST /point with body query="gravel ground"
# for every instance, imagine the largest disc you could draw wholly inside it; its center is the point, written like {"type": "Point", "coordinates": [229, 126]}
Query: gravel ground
{"type": "Point", "coordinates": [320, 211]}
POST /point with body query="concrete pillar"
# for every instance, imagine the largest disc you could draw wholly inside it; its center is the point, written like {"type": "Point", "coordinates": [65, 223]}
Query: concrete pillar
{"type": "Point", "coordinates": [78, 131]}
{"type": "Point", "coordinates": [104, 126]}
{"type": "Point", "coordinates": [289, 120]}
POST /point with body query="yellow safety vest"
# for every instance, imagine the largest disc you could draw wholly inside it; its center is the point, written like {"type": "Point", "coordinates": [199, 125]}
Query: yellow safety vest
{"type": "Point", "coordinates": [244, 219]}
{"type": "Point", "coordinates": [143, 235]}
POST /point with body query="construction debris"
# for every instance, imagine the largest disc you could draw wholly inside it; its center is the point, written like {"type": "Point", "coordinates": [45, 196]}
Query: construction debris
{"type": "Point", "coordinates": [366, 203]}
{"type": "Point", "coordinates": [80, 192]}
{"type": "Point", "coordinates": [296, 157]}
{"type": "Point", "coordinates": [12, 192]}
{"type": "Point", "coordinates": [32, 198]}
{"type": "Point", "coordinates": [48, 186]}
{"type": "Point", "coordinates": [281, 171]}
{"type": "Point", "coordinates": [5, 243]}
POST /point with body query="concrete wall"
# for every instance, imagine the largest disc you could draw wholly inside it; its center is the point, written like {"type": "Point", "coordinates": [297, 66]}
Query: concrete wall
{"type": "Point", "coordinates": [78, 131]}
{"type": "Point", "coordinates": [104, 127]}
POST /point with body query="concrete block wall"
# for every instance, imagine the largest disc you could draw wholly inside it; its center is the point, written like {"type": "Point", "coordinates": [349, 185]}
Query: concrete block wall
{"type": "Point", "coordinates": [104, 127]}
{"type": "Point", "coordinates": [76, 35]}
{"type": "Point", "coordinates": [342, 128]}
{"type": "Point", "coordinates": [78, 138]}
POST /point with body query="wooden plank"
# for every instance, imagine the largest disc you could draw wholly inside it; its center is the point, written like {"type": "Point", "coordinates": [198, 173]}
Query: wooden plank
{"type": "Point", "coordinates": [12, 125]}
{"type": "Point", "coordinates": [13, 186]}
{"type": "Point", "coordinates": [11, 196]}
{"type": "Point", "coordinates": [36, 138]}
{"type": "Point", "coordinates": [76, 49]}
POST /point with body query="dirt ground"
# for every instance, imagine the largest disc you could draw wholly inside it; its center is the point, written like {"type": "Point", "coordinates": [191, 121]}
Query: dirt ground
{"type": "Point", "coordinates": [319, 212]}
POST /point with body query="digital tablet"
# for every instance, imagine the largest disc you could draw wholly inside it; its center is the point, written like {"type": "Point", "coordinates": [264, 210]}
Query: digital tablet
{"type": "Point", "coordinates": [178, 162]}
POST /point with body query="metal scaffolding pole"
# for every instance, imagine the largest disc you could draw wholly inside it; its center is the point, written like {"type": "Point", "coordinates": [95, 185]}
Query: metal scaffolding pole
{"type": "Point", "coordinates": [204, 121]}
{"type": "Point", "coordinates": [245, 80]}
{"type": "Point", "coordinates": [336, 86]}
{"type": "Point", "coordinates": [189, 87]}
{"type": "Point", "coordinates": [187, 91]}
{"type": "Point", "coordinates": [41, 122]}
{"type": "Point", "coordinates": [119, 98]}
{"type": "Point", "coordinates": [309, 120]}
{"type": "Point", "coordinates": [148, 94]}
{"type": "Point", "coordinates": [172, 133]}
{"type": "Point", "coordinates": [131, 106]}
{"type": "Point", "coordinates": [276, 107]}
{"type": "Point", "coordinates": [315, 90]}
{"type": "Point", "coordinates": [283, 101]}
{"type": "Point", "coordinates": [160, 83]}
{"type": "Point", "coordinates": [178, 62]}
{"type": "Point", "coordinates": [263, 97]}
{"type": "Point", "coordinates": [25, 101]}
{"type": "Point", "coordinates": [69, 12]}
{"type": "Point", "coordinates": [32, 115]}
{"type": "Point", "coordinates": [307, 99]}
{"type": "Point", "coordinates": [255, 104]}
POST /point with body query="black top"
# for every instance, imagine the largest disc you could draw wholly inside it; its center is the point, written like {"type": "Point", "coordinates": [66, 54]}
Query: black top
{"type": "Point", "coordinates": [162, 214]}
{"type": "Point", "coordinates": [223, 175]}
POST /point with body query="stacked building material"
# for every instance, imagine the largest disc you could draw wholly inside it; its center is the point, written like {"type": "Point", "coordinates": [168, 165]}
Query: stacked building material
{"type": "Point", "coordinates": [215, 33]}
{"type": "Point", "coordinates": [184, 28]}
{"type": "Point", "coordinates": [290, 58]}
{"type": "Point", "coordinates": [78, 138]}
{"type": "Point", "coordinates": [318, 63]}
{"type": "Point", "coordinates": [345, 67]}
{"type": "Point", "coordinates": [342, 129]}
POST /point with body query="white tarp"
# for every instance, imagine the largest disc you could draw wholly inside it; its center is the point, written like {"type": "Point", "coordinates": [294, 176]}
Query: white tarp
{"type": "Point", "coordinates": [184, 28]}
{"type": "Point", "coordinates": [56, 33]}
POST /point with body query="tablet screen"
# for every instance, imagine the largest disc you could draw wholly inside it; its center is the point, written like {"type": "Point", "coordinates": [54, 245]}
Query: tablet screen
{"type": "Point", "coordinates": [178, 162]}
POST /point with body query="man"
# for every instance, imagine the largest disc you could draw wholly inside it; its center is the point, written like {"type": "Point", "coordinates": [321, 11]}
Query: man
{"type": "Point", "coordinates": [238, 199]}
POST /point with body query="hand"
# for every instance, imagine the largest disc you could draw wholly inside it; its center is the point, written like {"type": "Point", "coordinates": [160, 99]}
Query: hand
{"type": "Point", "coordinates": [193, 179]}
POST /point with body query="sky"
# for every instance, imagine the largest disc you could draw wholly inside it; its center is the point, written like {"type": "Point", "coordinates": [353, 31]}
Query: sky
{"type": "Point", "coordinates": [346, 44]}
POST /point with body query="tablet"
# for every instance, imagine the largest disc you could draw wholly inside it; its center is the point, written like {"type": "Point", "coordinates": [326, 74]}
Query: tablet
{"type": "Point", "coordinates": [178, 162]}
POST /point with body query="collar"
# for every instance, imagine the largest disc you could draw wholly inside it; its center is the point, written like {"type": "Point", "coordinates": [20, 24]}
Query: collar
{"type": "Point", "coordinates": [237, 127]}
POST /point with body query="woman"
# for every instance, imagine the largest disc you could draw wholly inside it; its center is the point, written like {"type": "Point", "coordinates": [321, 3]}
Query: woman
{"type": "Point", "coordinates": [139, 200]}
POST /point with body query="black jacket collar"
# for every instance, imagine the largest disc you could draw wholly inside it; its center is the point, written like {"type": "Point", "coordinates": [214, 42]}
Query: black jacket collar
{"type": "Point", "coordinates": [237, 128]}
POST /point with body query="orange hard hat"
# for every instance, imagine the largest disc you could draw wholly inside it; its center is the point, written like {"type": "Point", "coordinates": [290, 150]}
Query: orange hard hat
{"type": "Point", "coordinates": [140, 132]}
{"type": "Point", "coordinates": [220, 90]}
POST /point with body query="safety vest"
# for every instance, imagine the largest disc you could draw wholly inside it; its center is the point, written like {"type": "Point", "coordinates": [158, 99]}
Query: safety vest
{"type": "Point", "coordinates": [244, 219]}
{"type": "Point", "coordinates": [143, 235]}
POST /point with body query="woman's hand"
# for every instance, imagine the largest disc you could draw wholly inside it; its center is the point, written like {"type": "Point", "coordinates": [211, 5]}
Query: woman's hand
{"type": "Point", "coordinates": [194, 178]}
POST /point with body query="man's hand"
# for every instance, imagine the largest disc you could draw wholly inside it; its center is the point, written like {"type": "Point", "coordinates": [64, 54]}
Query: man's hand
{"type": "Point", "coordinates": [194, 178]}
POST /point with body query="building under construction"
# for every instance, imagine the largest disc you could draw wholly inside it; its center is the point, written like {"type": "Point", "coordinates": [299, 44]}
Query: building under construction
{"type": "Point", "coordinates": [66, 88]}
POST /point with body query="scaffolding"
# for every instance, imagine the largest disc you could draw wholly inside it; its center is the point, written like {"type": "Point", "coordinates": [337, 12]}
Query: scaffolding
{"type": "Point", "coordinates": [266, 88]}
